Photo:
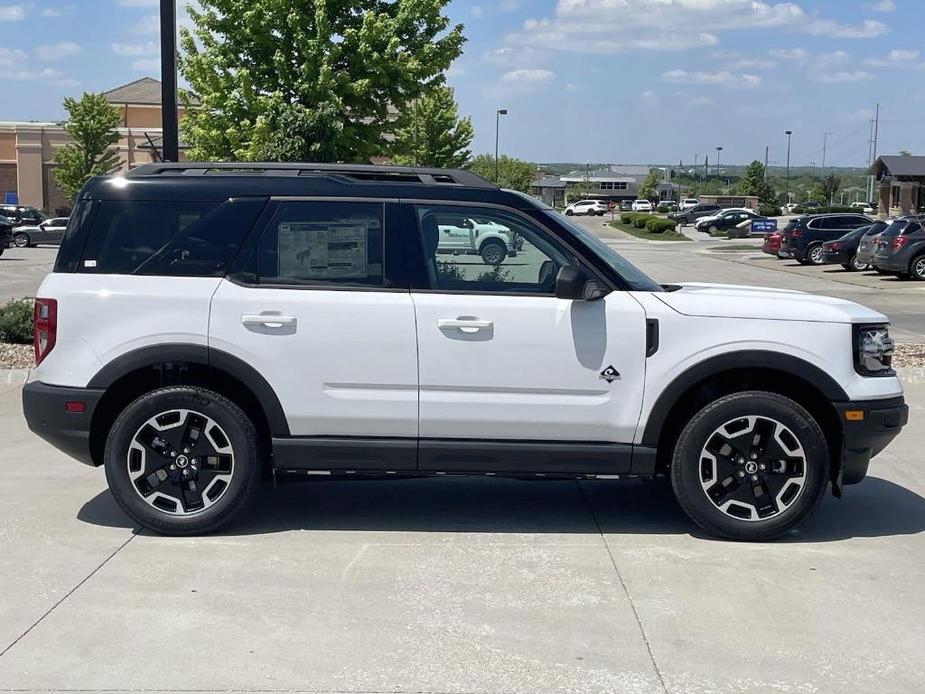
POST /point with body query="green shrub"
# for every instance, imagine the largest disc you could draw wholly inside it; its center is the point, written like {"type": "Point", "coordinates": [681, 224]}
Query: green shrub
{"type": "Point", "coordinates": [769, 210]}
{"type": "Point", "coordinates": [663, 209]}
{"type": "Point", "coordinates": [641, 220]}
{"type": "Point", "coordinates": [627, 217]}
{"type": "Point", "coordinates": [660, 226]}
{"type": "Point", "coordinates": [16, 321]}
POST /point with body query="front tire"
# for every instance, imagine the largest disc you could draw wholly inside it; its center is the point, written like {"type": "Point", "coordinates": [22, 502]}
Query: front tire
{"type": "Point", "coordinates": [493, 252]}
{"type": "Point", "coordinates": [750, 466]}
{"type": "Point", "coordinates": [856, 265]}
{"type": "Point", "coordinates": [569, 213]}
{"type": "Point", "coordinates": [815, 255]}
{"type": "Point", "coordinates": [182, 460]}
{"type": "Point", "coordinates": [21, 240]}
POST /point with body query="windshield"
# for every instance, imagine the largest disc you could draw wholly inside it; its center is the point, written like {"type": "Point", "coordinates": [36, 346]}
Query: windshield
{"type": "Point", "coordinates": [637, 280]}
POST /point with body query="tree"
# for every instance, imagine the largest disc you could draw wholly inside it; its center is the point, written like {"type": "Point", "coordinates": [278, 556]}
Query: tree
{"type": "Point", "coordinates": [579, 190]}
{"type": "Point", "coordinates": [92, 124]}
{"type": "Point", "coordinates": [828, 187]}
{"type": "Point", "coordinates": [648, 188]}
{"type": "Point", "coordinates": [755, 183]}
{"type": "Point", "coordinates": [431, 133]}
{"type": "Point", "coordinates": [316, 80]}
{"type": "Point", "coordinates": [512, 173]}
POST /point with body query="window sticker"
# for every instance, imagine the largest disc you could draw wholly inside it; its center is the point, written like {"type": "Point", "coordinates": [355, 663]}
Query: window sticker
{"type": "Point", "coordinates": [323, 250]}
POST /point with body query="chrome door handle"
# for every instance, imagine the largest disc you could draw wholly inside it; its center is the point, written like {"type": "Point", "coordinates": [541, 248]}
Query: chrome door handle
{"type": "Point", "coordinates": [464, 325]}
{"type": "Point", "coordinates": [268, 320]}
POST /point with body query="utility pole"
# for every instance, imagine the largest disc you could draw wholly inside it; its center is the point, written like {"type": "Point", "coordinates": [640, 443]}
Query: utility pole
{"type": "Point", "coordinates": [500, 112]}
{"type": "Point", "coordinates": [718, 150]}
{"type": "Point", "coordinates": [170, 139]}
{"type": "Point", "coordinates": [765, 162]}
{"type": "Point", "coordinates": [788, 133]}
{"type": "Point", "coordinates": [874, 156]}
{"type": "Point", "coordinates": [825, 142]}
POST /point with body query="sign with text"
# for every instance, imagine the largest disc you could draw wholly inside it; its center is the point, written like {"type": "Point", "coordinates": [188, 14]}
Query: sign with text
{"type": "Point", "coordinates": [763, 226]}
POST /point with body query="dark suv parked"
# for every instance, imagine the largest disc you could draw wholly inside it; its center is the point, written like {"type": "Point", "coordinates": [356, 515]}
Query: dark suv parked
{"type": "Point", "coordinates": [22, 214]}
{"type": "Point", "coordinates": [903, 253]}
{"type": "Point", "coordinates": [803, 238]}
{"type": "Point", "coordinates": [6, 230]}
{"type": "Point", "coordinates": [688, 216]}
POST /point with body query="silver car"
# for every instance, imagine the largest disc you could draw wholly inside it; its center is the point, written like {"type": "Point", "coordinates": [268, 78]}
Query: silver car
{"type": "Point", "coordinates": [50, 231]}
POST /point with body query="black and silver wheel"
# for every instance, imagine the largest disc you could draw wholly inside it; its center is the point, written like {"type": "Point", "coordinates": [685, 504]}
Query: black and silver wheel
{"type": "Point", "coordinates": [816, 255]}
{"type": "Point", "coordinates": [569, 213]}
{"type": "Point", "coordinates": [917, 269]}
{"type": "Point", "coordinates": [856, 265]}
{"type": "Point", "coordinates": [713, 229]}
{"type": "Point", "coordinates": [182, 460]}
{"type": "Point", "coordinates": [750, 466]}
{"type": "Point", "coordinates": [493, 252]}
{"type": "Point", "coordinates": [21, 240]}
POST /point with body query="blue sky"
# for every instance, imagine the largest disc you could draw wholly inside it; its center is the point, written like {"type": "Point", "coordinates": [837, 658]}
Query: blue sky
{"type": "Point", "coordinates": [650, 81]}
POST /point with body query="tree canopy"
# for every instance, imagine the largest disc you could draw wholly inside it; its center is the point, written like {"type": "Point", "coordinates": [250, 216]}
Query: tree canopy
{"type": "Point", "coordinates": [754, 182]}
{"type": "Point", "coordinates": [316, 80]}
{"type": "Point", "coordinates": [647, 189]}
{"type": "Point", "coordinates": [92, 123]}
{"type": "Point", "coordinates": [431, 133]}
{"type": "Point", "coordinates": [512, 173]}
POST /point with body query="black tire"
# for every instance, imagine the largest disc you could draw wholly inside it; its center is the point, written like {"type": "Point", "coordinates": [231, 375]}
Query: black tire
{"type": "Point", "coordinates": [689, 467]}
{"type": "Point", "coordinates": [493, 252]}
{"type": "Point", "coordinates": [917, 268]}
{"type": "Point", "coordinates": [814, 255]}
{"type": "Point", "coordinates": [233, 425]}
{"type": "Point", "coordinates": [854, 265]}
{"type": "Point", "coordinates": [21, 240]}
{"type": "Point", "coordinates": [569, 213]}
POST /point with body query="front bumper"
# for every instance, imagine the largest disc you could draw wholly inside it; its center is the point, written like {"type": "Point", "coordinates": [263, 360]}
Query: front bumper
{"type": "Point", "coordinates": [864, 438]}
{"type": "Point", "coordinates": [46, 413]}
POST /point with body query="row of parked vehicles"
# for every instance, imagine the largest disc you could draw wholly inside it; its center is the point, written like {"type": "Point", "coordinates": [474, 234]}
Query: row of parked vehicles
{"type": "Point", "coordinates": [22, 226]}
{"type": "Point", "coordinates": [856, 242]}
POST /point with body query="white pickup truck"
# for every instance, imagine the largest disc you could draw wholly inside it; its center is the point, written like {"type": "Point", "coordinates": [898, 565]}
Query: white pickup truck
{"type": "Point", "coordinates": [471, 236]}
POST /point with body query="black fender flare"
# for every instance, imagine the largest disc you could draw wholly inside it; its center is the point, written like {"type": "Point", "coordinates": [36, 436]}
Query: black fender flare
{"type": "Point", "coordinates": [198, 354]}
{"type": "Point", "coordinates": [713, 366]}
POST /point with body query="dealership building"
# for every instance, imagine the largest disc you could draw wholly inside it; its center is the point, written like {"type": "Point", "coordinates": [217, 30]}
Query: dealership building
{"type": "Point", "coordinates": [27, 149]}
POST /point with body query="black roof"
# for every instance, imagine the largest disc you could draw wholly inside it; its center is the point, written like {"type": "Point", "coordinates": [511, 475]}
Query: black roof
{"type": "Point", "coordinates": [898, 165]}
{"type": "Point", "coordinates": [218, 181]}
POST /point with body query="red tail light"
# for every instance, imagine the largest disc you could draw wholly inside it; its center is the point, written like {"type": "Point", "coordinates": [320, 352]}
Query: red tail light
{"type": "Point", "coordinates": [795, 233]}
{"type": "Point", "coordinates": [44, 327]}
{"type": "Point", "coordinates": [898, 242]}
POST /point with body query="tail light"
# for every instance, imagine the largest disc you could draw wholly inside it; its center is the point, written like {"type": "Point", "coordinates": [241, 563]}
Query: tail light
{"type": "Point", "coordinates": [832, 246]}
{"type": "Point", "coordinates": [44, 327]}
{"type": "Point", "coordinates": [796, 233]}
{"type": "Point", "coordinates": [898, 242]}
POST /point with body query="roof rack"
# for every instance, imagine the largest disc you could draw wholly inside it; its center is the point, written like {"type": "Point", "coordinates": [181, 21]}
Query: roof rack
{"type": "Point", "coordinates": [353, 172]}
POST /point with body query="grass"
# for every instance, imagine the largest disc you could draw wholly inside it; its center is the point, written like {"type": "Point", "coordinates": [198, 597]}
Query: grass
{"type": "Point", "coordinates": [647, 235]}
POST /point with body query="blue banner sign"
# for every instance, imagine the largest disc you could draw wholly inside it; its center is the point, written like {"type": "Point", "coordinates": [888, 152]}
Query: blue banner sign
{"type": "Point", "coordinates": [763, 226]}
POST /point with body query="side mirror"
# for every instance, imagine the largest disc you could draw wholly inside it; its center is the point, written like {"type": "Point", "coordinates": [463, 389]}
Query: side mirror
{"type": "Point", "coordinates": [575, 283]}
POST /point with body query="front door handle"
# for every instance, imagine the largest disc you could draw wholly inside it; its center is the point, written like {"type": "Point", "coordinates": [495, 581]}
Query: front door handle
{"type": "Point", "coordinates": [268, 320]}
{"type": "Point", "coordinates": [466, 325]}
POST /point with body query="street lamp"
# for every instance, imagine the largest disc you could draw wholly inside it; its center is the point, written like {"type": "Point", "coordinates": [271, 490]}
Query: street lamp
{"type": "Point", "coordinates": [500, 112]}
{"type": "Point", "coordinates": [788, 133]}
{"type": "Point", "coordinates": [718, 150]}
{"type": "Point", "coordinates": [169, 138]}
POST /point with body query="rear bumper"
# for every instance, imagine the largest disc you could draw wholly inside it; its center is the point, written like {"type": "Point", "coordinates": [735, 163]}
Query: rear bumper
{"type": "Point", "coordinates": [45, 410]}
{"type": "Point", "coordinates": [891, 263]}
{"type": "Point", "coordinates": [836, 257]}
{"type": "Point", "coordinates": [863, 439]}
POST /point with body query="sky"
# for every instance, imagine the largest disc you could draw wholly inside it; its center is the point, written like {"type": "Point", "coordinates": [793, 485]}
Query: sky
{"type": "Point", "coordinates": [620, 81]}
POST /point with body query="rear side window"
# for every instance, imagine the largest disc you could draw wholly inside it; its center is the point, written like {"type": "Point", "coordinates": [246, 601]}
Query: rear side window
{"type": "Point", "coordinates": [913, 227]}
{"type": "Point", "coordinates": [183, 239]}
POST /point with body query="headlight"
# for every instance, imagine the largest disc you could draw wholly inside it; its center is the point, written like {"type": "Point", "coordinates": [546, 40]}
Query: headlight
{"type": "Point", "coordinates": [873, 350]}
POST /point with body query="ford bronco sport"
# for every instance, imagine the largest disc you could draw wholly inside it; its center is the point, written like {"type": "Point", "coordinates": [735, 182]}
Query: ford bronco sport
{"type": "Point", "coordinates": [206, 324]}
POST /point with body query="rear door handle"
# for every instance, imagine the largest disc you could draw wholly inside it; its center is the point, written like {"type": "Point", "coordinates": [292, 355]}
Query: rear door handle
{"type": "Point", "coordinates": [469, 326]}
{"type": "Point", "coordinates": [267, 320]}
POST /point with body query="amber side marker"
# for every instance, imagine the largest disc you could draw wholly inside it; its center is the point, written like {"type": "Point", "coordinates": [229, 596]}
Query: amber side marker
{"type": "Point", "coordinates": [854, 415]}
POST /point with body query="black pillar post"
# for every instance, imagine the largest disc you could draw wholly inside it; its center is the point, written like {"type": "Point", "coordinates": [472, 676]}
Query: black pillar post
{"type": "Point", "coordinates": [170, 137]}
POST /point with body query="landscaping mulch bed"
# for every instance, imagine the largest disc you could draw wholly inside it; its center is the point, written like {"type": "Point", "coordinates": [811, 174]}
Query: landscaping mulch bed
{"type": "Point", "coordinates": [16, 356]}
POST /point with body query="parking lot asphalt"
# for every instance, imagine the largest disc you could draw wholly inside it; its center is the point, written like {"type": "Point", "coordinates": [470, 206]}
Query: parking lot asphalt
{"type": "Point", "coordinates": [463, 585]}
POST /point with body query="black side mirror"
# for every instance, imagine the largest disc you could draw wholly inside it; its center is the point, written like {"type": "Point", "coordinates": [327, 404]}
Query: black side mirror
{"type": "Point", "coordinates": [575, 283]}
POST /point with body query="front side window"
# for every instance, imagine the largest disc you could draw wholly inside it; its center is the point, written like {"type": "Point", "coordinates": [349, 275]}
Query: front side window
{"type": "Point", "coordinates": [323, 243]}
{"type": "Point", "coordinates": [488, 251]}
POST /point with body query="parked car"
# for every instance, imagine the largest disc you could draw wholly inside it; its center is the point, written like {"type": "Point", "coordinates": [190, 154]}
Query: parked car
{"type": "Point", "coordinates": [642, 206]}
{"type": "Point", "coordinates": [844, 251]}
{"type": "Point", "coordinates": [626, 206]}
{"type": "Point", "coordinates": [23, 214]}
{"type": "Point", "coordinates": [670, 204]}
{"type": "Point", "coordinates": [726, 221]}
{"type": "Point", "coordinates": [6, 233]}
{"type": "Point", "coordinates": [50, 231]}
{"type": "Point", "coordinates": [867, 247]}
{"type": "Point", "coordinates": [587, 207]}
{"type": "Point", "coordinates": [461, 234]}
{"type": "Point", "coordinates": [803, 239]}
{"type": "Point", "coordinates": [772, 243]}
{"type": "Point", "coordinates": [903, 253]}
{"type": "Point", "coordinates": [689, 203]}
{"type": "Point", "coordinates": [790, 207]}
{"type": "Point", "coordinates": [200, 331]}
{"type": "Point", "coordinates": [694, 213]}
{"type": "Point", "coordinates": [863, 207]}
{"type": "Point", "coordinates": [810, 205]}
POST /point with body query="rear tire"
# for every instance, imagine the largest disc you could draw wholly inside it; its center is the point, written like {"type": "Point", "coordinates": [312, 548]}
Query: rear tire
{"type": "Point", "coordinates": [917, 268]}
{"type": "Point", "coordinates": [182, 460]}
{"type": "Point", "coordinates": [21, 240]}
{"type": "Point", "coordinates": [815, 255]}
{"type": "Point", "coordinates": [750, 466]}
{"type": "Point", "coordinates": [857, 266]}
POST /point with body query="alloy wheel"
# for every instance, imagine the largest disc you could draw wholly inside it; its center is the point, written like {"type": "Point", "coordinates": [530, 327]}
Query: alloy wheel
{"type": "Point", "coordinates": [918, 268]}
{"type": "Point", "coordinates": [816, 255]}
{"type": "Point", "coordinates": [752, 468]}
{"type": "Point", "coordinates": [180, 462]}
{"type": "Point", "coordinates": [21, 240]}
{"type": "Point", "coordinates": [858, 265]}
{"type": "Point", "coordinates": [492, 254]}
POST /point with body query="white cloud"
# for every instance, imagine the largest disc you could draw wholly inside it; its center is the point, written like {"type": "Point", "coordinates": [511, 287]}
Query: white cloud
{"type": "Point", "coordinates": [149, 24]}
{"type": "Point", "coordinates": [700, 101]}
{"type": "Point", "coordinates": [841, 77]}
{"type": "Point", "coordinates": [867, 29]}
{"type": "Point", "coordinates": [722, 77]}
{"type": "Point", "coordinates": [147, 65]}
{"type": "Point", "coordinates": [12, 13]}
{"type": "Point", "coordinates": [136, 49]}
{"type": "Point", "coordinates": [59, 10]}
{"type": "Point", "coordinates": [883, 6]}
{"type": "Point", "coordinates": [57, 51]}
{"type": "Point", "coordinates": [50, 75]}
{"type": "Point", "coordinates": [528, 76]}
{"type": "Point", "coordinates": [897, 58]}
{"type": "Point", "coordinates": [790, 53]}
{"type": "Point", "coordinates": [509, 5]}
{"type": "Point", "coordinates": [11, 57]}
{"type": "Point", "coordinates": [753, 64]}
{"type": "Point", "coordinates": [477, 11]}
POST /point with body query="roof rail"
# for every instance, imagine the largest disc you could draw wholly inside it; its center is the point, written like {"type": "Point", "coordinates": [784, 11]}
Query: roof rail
{"type": "Point", "coordinates": [356, 172]}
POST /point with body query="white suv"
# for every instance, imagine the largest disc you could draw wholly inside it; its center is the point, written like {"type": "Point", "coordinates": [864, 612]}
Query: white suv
{"type": "Point", "coordinates": [588, 207]}
{"type": "Point", "coordinates": [642, 206]}
{"type": "Point", "coordinates": [688, 204]}
{"type": "Point", "coordinates": [199, 332]}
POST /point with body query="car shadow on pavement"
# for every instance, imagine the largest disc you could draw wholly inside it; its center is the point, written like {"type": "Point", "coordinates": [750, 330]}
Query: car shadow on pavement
{"type": "Point", "coordinates": [875, 508]}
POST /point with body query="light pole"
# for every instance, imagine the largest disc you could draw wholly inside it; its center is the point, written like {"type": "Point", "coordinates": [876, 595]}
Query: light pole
{"type": "Point", "coordinates": [169, 137]}
{"type": "Point", "coordinates": [788, 133]}
{"type": "Point", "coordinates": [500, 112]}
{"type": "Point", "coordinates": [718, 150]}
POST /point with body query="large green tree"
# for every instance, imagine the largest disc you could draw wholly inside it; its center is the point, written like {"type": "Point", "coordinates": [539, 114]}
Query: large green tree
{"type": "Point", "coordinates": [92, 124]}
{"type": "Point", "coordinates": [311, 80]}
{"type": "Point", "coordinates": [431, 133]}
{"type": "Point", "coordinates": [827, 188]}
{"type": "Point", "coordinates": [755, 183]}
{"type": "Point", "coordinates": [512, 173]}
{"type": "Point", "coordinates": [648, 189]}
